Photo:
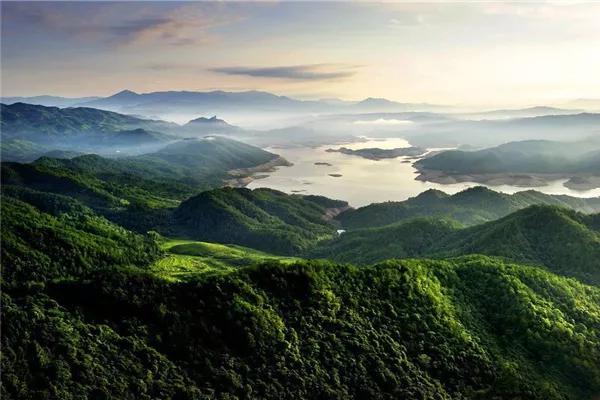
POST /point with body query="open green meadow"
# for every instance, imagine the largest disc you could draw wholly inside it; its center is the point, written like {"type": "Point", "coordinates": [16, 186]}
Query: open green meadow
{"type": "Point", "coordinates": [185, 259]}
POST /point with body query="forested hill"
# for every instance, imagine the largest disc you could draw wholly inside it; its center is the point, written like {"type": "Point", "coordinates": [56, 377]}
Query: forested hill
{"type": "Point", "coordinates": [474, 328]}
{"type": "Point", "coordinates": [471, 206]}
{"type": "Point", "coordinates": [47, 236]}
{"type": "Point", "coordinates": [262, 218]}
{"type": "Point", "coordinates": [29, 131]}
{"type": "Point", "coordinates": [564, 241]}
{"type": "Point", "coordinates": [163, 177]}
{"type": "Point", "coordinates": [87, 314]}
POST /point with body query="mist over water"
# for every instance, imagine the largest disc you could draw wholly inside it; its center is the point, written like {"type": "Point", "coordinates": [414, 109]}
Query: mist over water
{"type": "Point", "coordinates": [364, 181]}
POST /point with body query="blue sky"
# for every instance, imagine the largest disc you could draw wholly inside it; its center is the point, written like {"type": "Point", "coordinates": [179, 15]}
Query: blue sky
{"type": "Point", "coordinates": [492, 53]}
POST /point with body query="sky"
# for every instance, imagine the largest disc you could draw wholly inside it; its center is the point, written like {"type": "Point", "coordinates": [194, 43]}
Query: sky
{"type": "Point", "coordinates": [461, 53]}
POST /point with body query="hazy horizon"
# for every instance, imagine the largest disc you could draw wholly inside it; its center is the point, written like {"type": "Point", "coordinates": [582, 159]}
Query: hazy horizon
{"type": "Point", "coordinates": [487, 55]}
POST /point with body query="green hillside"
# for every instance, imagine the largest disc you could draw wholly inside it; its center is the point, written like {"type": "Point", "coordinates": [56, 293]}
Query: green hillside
{"type": "Point", "coordinates": [28, 131]}
{"type": "Point", "coordinates": [47, 236]}
{"type": "Point", "coordinates": [139, 192]}
{"type": "Point", "coordinates": [563, 240]}
{"type": "Point", "coordinates": [471, 206]}
{"type": "Point", "coordinates": [186, 259]}
{"type": "Point", "coordinates": [91, 309]}
{"type": "Point", "coordinates": [189, 164]}
{"type": "Point", "coordinates": [473, 328]}
{"type": "Point", "coordinates": [264, 219]}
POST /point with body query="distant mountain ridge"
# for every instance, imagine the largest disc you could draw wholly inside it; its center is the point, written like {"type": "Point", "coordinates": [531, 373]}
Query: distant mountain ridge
{"type": "Point", "coordinates": [535, 111]}
{"type": "Point", "coordinates": [30, 130]}
{"type": "Point", "coordinates": [49, 101]}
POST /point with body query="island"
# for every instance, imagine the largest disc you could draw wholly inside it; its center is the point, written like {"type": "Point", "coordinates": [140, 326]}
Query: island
{"type": "Point", "coordinates": [377, 154]}
{"type": "Point", "coordinates": [533, 163]}
{"type": "Point", "coordinates": [583, 183]}
{"type": "Point", "coordinates": [323, 163]}
{"type": "Point", "coordinates": [336, 175]}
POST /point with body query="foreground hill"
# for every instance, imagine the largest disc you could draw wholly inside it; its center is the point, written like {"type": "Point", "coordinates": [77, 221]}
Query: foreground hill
{"type": "Point", "coordinates": [263, 218]}
{"type": "Point", "coordinates": [565, 241]}
{"type": "Point", "coordinates": [469, 207]}
{"type": "Point", "coordinates": [47, 236]}
{"type": "Point", "coordinates": [466, 328]}
{"type": "Point", "coordinates": [88, 313]}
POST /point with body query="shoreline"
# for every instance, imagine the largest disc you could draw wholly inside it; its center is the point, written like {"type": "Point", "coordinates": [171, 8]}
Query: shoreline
{"type": "Point", "coordinates": [241, 177]}
{"type": "Point", "coordinates": [525, 180]}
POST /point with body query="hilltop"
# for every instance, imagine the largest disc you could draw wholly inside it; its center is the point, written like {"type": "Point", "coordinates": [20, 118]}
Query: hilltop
{"type": "Point", "coordinates": [564, 241]}
{"type": "Point", "coordinates": [471, 206]}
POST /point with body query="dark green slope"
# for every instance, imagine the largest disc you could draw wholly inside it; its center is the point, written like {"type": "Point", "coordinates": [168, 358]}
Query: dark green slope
{"type": "Point", "coordinates": [47, 236]}
{"type": "Point", "coordinates": [563, 240]}
{"type": "Point", "coordinates": [138, 192]}
{"type": "Point", "coordinates": [413, 238]}
{"type": "Point", "coordinates": [263, 218]}
{"type": "Point", "coordinates": [184, 167]}
{"type": "Point", "coordinates": [51, 353]}
{"type": "Point", "coordinates": [474, 328]}
{"type": "Point", "coordinates": [471, 206]}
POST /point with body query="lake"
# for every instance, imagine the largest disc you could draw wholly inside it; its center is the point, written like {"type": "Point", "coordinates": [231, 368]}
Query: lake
{"type": "Point", "coordinates": [365, 181]}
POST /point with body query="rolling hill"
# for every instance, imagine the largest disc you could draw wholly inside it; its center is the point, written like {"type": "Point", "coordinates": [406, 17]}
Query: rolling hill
{"type": "Point", "coordinates": [489, 133]}
{"type": "Point", "coordinates": [264, 219]}
{"type": "Point", "coordinates": [93, 310]}
{"type": "Point", "coordinates": [141, 192]}
{"type": "Point", "coordinates": [534, 161]}
{"type": "Point", "coordinates": [469, 207]}
{"type": "Point", "coordinates": [30, 130]}
{"type": "Point", "coordinates": [564, 241]}
{"type": "Point", "coordinates": [464, 328]}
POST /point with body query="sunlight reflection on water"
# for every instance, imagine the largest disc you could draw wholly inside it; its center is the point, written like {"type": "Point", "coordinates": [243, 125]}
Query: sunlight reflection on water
{"type": "Point", "coordinates": [365, 181]}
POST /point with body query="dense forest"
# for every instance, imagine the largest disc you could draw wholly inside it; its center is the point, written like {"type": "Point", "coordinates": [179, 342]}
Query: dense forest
{"type": "Point", "coordinates": [463, 328]}
{"type": "Point", "coordinates": [263, 218]}
{"type": "Point", "coordinates": [564, 241]}
{"type": "Point", "coordinates": [113, 287]}
{"type": "Point", "coordinates": [469, 207]}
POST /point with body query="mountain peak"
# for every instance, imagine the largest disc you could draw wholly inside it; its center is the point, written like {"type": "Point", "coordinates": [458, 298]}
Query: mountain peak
{"type": "Point", "coordinates": [209, 121]}
{"type": "Point", "coordinates": [125, 93]}
{"type": "Point", "coordinates": [376, 101]}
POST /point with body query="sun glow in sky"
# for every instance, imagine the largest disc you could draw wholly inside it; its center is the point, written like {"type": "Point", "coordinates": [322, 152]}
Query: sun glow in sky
{"type": "Point", "coordinates": [449, 53]}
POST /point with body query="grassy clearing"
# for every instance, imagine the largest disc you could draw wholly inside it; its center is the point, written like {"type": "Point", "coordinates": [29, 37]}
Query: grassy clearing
{"type": "Point", "coordinates": [186, 258]}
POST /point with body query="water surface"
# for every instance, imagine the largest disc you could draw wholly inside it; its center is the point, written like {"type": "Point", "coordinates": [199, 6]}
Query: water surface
{"type": "Point", "coordinates": [365, 181]}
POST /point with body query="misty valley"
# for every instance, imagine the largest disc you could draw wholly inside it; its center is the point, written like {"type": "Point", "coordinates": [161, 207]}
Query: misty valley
{"type": "Point", "coordinates": [299, 200]}
{"type": "Point", "coordinates": [203, 251]}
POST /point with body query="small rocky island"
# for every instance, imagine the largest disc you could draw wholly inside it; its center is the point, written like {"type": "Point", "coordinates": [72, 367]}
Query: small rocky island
{"type": "Point", "coordinates": [336, 175]}
{"type": "Point", "coordinates": [326, 164]}
{"type": "Point", "coordinates": [583, 182]}
{"type": "Point", "coordinates": [380, 154]}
